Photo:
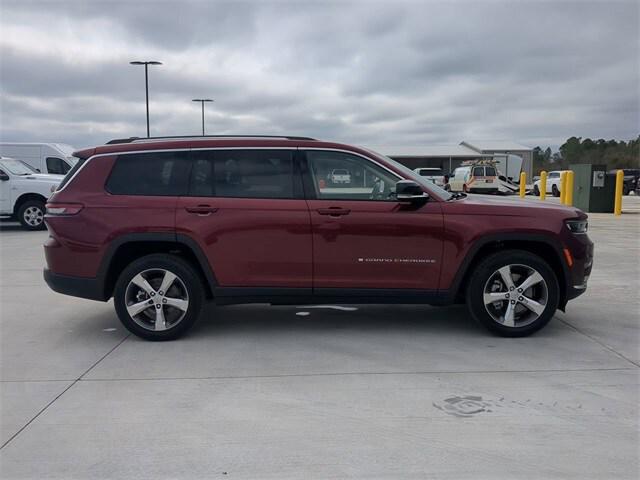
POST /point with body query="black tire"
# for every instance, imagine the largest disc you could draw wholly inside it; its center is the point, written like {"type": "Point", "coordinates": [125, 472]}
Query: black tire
{"type": "Point", "coordinates": [536, 190]}
{"type": "Point", "coordinates": [26, 217]}
{"type": "Point", "coordinates": [486, 269]}
{"type": "Point", "coordinates": [555, 191]}
{"type": "Point", "coordinates": [625, 190]}
{"type": "Point", "coordinates": [190, 281]}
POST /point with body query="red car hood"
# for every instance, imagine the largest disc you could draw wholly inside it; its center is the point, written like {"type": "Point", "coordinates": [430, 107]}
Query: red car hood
{"type": "Point", "coordinates": [493, 205]}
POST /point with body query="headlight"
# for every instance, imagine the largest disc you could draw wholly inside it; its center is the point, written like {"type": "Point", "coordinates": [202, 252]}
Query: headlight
{"type": "Point", "coordinates": [578, 226]}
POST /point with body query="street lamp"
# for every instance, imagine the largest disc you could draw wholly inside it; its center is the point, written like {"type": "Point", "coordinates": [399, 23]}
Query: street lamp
{"type": "Point", "coordinates": [146, 83]}
{"type": "Point", "coordinates": [202, 100]}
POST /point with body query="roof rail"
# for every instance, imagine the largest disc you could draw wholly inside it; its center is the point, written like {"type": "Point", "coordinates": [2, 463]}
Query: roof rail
{"type": "Point", "coordinates": [121, 140]}
{"type": "Point", "coordinates": [197, 137]}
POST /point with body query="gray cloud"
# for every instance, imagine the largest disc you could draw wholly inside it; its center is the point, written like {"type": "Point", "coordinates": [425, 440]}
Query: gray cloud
{"type": "Point", "coordinates": [535, 72]}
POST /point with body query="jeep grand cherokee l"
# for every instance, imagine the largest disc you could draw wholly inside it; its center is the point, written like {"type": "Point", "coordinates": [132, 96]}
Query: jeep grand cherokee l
{"type": "Point", "coordinates": [161, 225]}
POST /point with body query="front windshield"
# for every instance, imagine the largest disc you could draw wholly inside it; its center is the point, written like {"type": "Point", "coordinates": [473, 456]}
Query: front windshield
{"type": "Point", "coordinates": [16, 167]}
{"type": "Point", "coordinates": [429, 185]}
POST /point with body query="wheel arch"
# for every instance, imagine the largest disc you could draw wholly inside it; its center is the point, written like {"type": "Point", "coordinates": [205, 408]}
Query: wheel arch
{"type": "Point", "coordinates": [543, 246]}
{"type": "Point", "coordinates": [25, 197]}
{"type": "Point", "coordinates": [129, 247]}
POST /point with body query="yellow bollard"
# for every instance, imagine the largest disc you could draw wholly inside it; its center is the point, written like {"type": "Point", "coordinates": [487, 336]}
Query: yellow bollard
{"type": "Point", "coordinates": [523, 184]}
{"type": "Point", "coordinates": [617, 209]}
{"type": "Point", "coordinates": [563, 187]}
{"type": "Point", "coordinates": [568, 198]}
{"type": "Point", "coordinates": [543, 185]}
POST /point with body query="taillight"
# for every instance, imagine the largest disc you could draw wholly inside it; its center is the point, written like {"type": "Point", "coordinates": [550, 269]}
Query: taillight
{"type": "Point", "coordinates": [63, 208]}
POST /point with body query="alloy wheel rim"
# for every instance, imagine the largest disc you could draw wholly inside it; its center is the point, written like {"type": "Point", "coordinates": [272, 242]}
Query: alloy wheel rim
{"type": "Point", "coordinates": [515, 295]}
{"type": "Point", "coordinates": [33, 216]}
{"type": "Point", "coordinates": [156, 299]}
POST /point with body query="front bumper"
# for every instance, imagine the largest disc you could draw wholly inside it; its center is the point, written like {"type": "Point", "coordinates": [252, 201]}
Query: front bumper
{"type": "Point", "coordinates": [582, 252]}
{"type": "Point", "coordinates": [90, 288]}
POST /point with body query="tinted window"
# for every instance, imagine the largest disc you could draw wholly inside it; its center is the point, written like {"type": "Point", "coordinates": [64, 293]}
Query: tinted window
{"type": "Point", "coordinates": [554, 174]}
{"type": "Point", "coordinates": [490, 171]}
{"type": "Point", "coordinates": [478, 171]}
{"type": "Point", "coordinates": [156, 174]}
{"type": "Point", "coordinates": [57, 166]}
{"type": "Point", "coordinates": [342, 176]}
{"type": "Point", "coordinates": [243, 174]}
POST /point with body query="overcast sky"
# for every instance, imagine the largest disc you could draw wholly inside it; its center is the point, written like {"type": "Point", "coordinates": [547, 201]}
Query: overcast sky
{"type": "Point", "coordinates": [416, 73]}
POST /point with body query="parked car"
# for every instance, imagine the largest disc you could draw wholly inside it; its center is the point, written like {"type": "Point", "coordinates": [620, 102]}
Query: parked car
{"type": "Point", "coordinates": [339, 175]}
{"type": "Point", "coordinates": [554, 185]}
{"type": "Point", "coordinates": [52, 158]}
{"type": "Point", "coordinates": [435, 175]}
{"type": "Point", "coordinates": [161, 225]}
{"type": "Point", "coordinates": [631, 180]}
{"type": "Point", "coordinates": [475, 179]}
{"type": "Point", "coordinates": [23, 192]}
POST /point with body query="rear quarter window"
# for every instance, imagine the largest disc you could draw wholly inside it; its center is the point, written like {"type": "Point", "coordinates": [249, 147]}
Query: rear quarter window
{"type": "Point", "coordinates": [152, 174]}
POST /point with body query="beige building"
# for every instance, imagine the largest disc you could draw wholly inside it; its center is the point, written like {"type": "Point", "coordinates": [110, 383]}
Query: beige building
{"type": "Point", "coordinates": [449, 157]}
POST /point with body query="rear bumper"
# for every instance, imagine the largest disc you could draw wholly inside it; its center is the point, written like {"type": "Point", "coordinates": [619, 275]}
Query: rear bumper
{"type": "Point", "coordinates": [90, 288]}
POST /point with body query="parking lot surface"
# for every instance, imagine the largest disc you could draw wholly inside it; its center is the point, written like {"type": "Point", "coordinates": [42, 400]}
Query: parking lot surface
{"type": "Point", "coordinates": [298, 392]}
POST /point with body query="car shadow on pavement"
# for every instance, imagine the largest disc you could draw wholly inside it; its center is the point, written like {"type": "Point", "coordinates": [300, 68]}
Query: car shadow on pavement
{"type": "Point", "coordinates": [371, 318]}
{"type": "Point", "coordinates": [6, 226]}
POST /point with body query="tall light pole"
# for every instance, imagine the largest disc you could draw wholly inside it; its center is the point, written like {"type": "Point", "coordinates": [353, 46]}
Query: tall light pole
{"type": "Point", "coordinates": [146, 82]}
{"type": "Point", "coordinates": [202, 100]}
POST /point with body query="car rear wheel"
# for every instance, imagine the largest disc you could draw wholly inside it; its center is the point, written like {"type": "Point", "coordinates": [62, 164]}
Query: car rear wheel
{"type": "Point", "coordinates": [555, 191]}
{"type": "Point", "coordinates": [513, 293]}
{"type": "Point", "coordinates": [158, 297]}
{"type": "Point", "coordinates": [536, 190]}
{"type": "Point", "coordinates": [31, 215]}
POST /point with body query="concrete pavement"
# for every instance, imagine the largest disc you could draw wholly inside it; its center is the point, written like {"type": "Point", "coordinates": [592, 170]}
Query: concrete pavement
{"type": "Point", "coordinates": [378, 392]}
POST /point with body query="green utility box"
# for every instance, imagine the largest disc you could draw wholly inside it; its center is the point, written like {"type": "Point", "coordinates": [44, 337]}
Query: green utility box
{"type": "Point", "coordinates": [593, 188]}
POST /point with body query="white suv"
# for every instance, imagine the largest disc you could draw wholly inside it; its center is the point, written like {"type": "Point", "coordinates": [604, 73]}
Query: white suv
{"type": "Point", "coordinates": [553, 183]}
{"type": "Point", "coordinates": [23, 192]}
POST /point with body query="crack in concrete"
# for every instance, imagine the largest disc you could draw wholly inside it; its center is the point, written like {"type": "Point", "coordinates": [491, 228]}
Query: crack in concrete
{"type": "Point", "coordinates": [62, 393]}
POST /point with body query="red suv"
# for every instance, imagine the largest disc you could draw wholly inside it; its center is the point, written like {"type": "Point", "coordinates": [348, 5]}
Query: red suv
{"type": "Point", "coordinates": [161, 225]}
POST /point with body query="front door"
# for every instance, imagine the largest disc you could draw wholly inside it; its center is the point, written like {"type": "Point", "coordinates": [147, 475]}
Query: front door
{"type": "Point", "coordinates": [362, 237]}
{"type": "Point", "coordinates": [5, 193]}
{"type": "Point", "coordinates": [246, 210]}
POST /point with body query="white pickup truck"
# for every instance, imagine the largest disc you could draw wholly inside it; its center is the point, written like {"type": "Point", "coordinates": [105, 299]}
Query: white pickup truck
{"type": "Point", "coordinates": [340, 176]}
{"type": "Point", "coordinates": [23, 192]}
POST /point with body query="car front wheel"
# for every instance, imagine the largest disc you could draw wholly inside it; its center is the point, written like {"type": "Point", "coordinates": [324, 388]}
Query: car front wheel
{"type": "Point", "coordinates": [513, 293]}
{"type": "Point", "coordinates": [158, 297]}
{"type": "Point", "coordinates": [555, 191]}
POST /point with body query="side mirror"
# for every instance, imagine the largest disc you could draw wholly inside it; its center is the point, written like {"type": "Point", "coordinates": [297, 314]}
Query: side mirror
{"type": "Point", "coordinates": [409, 192]}
{"type": "Point", "coordinates": [3, 176]}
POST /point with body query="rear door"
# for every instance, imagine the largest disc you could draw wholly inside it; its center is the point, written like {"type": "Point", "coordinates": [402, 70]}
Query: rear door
{"type": "Point", "coordinates": [362, 237]}
{"type": "Point", "coordinates": [246, 210]}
